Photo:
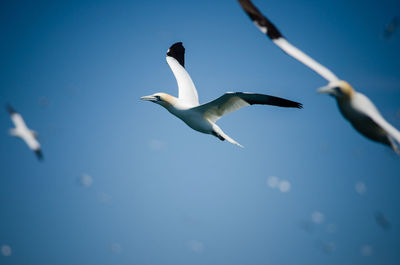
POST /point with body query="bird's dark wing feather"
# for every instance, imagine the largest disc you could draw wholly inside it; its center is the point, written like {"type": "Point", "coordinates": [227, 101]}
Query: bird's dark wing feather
{"type": "Point", "coordinates": [177, 51]}
{"type": "Point", "coordinates": [230, 102]}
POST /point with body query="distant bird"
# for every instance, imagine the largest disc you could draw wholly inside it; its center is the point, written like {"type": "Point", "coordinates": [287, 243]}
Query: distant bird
{"type": "Point", "coordinates": [23, 132]}
{"type": "Point", "coordinates": [354, 106]}
{"type": "Point", "coordinates": [202, 118]}
{"type": "Point", "coordinates": [307, 226]}
{"type": "Point", "coordinates": [391, 28]}
{"type": "Point", "coordinates": [326, 247]}
{"type": "Point", "coordinates": [382, 221]}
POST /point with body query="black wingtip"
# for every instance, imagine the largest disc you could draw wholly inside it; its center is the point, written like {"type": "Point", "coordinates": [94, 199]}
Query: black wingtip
{"type": "Point", "coordinates": [291, 104]}
{"type": "Point", "coordinates": [261, 21]}
{"type": "Point", "coordinates": [263, 99]}
{"type": "Point", "coordinates": [10, 109]}
{"type": "Point", "coordinates": [39, 155]}
{"type": "Point", "coordinates": [177, 51]}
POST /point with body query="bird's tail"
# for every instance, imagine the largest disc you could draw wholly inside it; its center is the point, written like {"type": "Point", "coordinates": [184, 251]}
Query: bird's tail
{"type": "Point", "coordinates": [394, 146]}
{"type": "Point", "coordinates": [394, 136]}
{"type": "Point", "coordinates": [221, 135]}
{"type": "Point", "coordinates": [392, 133]}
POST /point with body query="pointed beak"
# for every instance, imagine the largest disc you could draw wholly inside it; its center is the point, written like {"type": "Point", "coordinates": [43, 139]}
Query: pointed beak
{"type": "Point", "coordinates": [149, 98]}
{"type": "Point", "coordinates": [325, 90]}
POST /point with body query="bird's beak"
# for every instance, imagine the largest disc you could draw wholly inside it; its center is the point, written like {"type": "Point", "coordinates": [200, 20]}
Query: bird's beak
{"type": "Point", "coordinates": [325, 90]}
{"type": "Point", "coordinates": [149, 98]}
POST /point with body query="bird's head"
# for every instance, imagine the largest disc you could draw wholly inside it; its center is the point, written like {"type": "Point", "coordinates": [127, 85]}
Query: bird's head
{"type": "Point", "coordinates": [162, 99]}
{"type": "Point", "coordinates": [339, 89]}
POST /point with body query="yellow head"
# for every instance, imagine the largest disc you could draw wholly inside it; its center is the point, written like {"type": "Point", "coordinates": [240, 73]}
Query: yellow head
{"type": "Point", "coordinates": [339, 89]}
{"type": "Point", "coordinates": [162, 99]}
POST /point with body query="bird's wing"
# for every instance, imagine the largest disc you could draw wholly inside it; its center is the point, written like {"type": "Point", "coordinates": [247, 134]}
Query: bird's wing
{"type": "Point", "coordinates": [273, 33]}
{"type": "Point", "coordinates": [365, 105]}
{"type": "Point", "coordinates": [30, 139]}
{"type": "Point", "coordinates": [39, 154]}
{"type": "Point", "coordinates": [233, 101]}
{"type": "Point", "coordinates": [16, 117]}
{"type": "Point", "coordinates": [176, 60]}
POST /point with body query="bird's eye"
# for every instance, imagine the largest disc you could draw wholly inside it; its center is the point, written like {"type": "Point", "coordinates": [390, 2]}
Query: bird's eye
{"type": "Point", "coordinates": [158, 97]}
{"type": "Point", "coordinates": [338, 90]}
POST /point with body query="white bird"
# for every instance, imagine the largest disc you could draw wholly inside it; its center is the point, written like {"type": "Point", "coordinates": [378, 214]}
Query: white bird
{"type": "Point", "coordinates": [23, 132]}
{"type": "Point", "coordinates": [354, 106]}
{"type": "Point", "coordinates": [202, 118]}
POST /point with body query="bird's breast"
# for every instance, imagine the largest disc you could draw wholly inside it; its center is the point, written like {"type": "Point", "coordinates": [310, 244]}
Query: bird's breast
{"type": "Point", "coordinates": [193, 119]}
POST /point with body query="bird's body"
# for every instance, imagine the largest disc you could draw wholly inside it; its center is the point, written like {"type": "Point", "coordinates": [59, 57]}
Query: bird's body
{"type": "Point", "coordinates": [202, 118]}
{"type": "Point", "coordinates": [354, 106]}
{"type": "Point", "coordinates": [193, 118]}
{"type": "Point", "coordinates": [354, 111]}
{"type": "Point", "coordinates": [22, 131]}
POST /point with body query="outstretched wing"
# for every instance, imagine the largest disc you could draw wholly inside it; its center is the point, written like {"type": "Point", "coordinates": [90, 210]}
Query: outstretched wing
{"type": "Point", "coordinates": [273, 33]}
{"type": "Point", "coordinates": [39, 154]}
{"type": "Point", "coordinates": [230, 102]}
{"type": "Point", "coordinates": [32, 142]}
{"type": "Point", "coordinates": [176, 60]}
{"type": "Point", "coordinates": [16, 117]}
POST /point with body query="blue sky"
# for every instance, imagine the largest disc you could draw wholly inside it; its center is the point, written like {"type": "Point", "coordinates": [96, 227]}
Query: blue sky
{"type": "Point", "coordinates": [164, 194]}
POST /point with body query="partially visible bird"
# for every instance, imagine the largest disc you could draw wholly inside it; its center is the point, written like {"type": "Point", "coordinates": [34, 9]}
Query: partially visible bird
{"type": "Point", "coordinates": [202, 118]}
{"type": "Point", "coordinates": [391, 28]}
{"type": "Point", "coordinates": [23, 132]}
{"type": "Point", "coordinates": [382, 221]}
{"type": "Point", "coordinates": [354, 106]}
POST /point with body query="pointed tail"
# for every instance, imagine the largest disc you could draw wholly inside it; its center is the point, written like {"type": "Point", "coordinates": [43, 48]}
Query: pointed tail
{"type": "Point", "coordinates": [394, 146]}
{"type": "Point", "coordinates": [221, 134]}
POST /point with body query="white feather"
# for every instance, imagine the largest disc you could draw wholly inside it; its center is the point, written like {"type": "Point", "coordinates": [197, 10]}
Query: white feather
{"type": "Point", "coordinates": [288, 48]}
{"type": "Point", "coordinates": [187, 91]}
{"type": "Point", "coordinates": [225, 104]}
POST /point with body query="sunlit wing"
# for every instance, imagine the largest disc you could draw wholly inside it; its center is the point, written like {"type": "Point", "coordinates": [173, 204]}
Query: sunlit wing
{"type": "Point", "coordinates": [176, 60]}
{"type": "Point", "coordinates": [16, 117]}
{"type": "Point", "coordinates": [273, 33]}
{"type": "Point", "coordinates": [31, 141]}
{"type": "Point", "coordinates": [230, 102]}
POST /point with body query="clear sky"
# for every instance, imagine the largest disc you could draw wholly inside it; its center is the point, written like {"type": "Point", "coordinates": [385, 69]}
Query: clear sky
{"type": "Point", "coordinates": [162, 193]}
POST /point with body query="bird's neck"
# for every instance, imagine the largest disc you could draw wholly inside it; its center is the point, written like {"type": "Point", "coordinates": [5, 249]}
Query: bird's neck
{"type": "Point", "coordinates": [346, 98]}
{"type": "Point", "coordinates": [348, 91]}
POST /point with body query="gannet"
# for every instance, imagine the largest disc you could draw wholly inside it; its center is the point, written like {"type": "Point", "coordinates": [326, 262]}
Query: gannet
{"type": "Point", "coordinates": [23, 132]}
{"type": "Point", "coordinates": [202, 118]}
{"type": "Point", "coordinates": [354, 106]}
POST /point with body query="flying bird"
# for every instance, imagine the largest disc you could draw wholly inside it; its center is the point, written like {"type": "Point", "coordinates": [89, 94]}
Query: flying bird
{"type": "Point", "coordinates": [382, 221]}
{"type": "Point", "coordinates": [354, 106]}
{"type": "Point", "coordinates": [202, 118]}
{"type": "Point", "coordinates": [391, 28]}
{"type": "Point", "coordinates": [23, 132]}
